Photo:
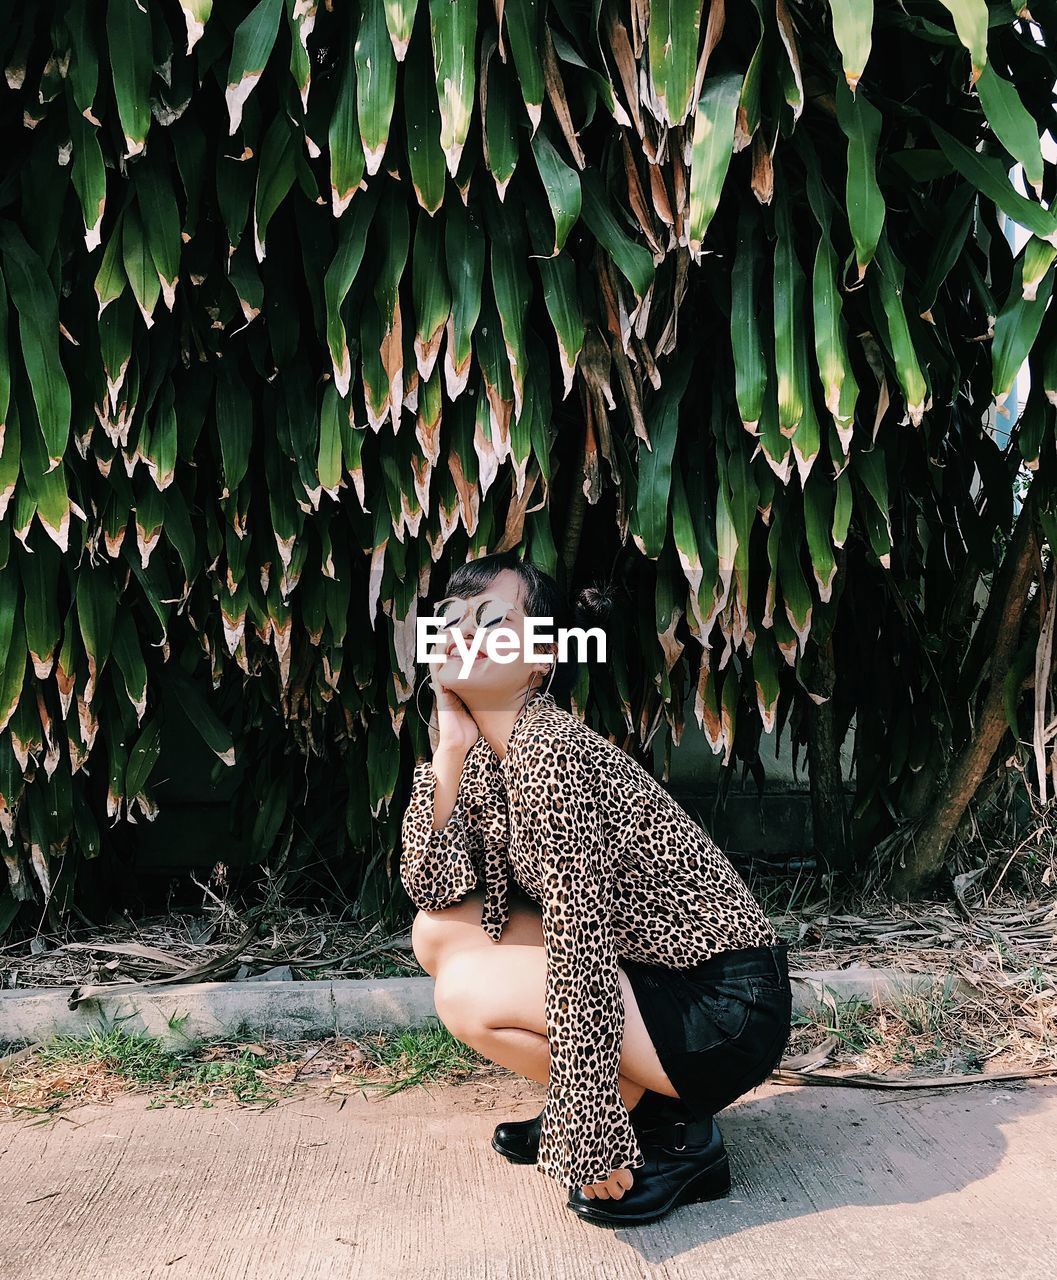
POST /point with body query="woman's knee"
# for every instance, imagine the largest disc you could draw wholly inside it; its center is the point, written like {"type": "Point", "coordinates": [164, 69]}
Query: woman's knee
{"type": "Point", "coordinates": [428, 931]}
{"type": "Point", "coordinates": [434, 933]}
{"type": "Point", "coordinates": [458, 993]}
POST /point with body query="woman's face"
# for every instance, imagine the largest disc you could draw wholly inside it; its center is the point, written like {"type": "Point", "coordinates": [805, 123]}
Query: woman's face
{"type": "Point", "coordinates": [487, 681]}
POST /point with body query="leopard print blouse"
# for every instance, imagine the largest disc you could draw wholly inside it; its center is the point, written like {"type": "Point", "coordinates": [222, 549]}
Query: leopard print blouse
{"type": "Point", "coordinates": [619, 870]}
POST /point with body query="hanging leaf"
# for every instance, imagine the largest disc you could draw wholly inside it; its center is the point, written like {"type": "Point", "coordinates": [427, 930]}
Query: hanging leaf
{"type": "Point", "coordinates": [375, 83]}
{"type": "Point", "coordinates": [38, 329]}
{"type": "Point", "coordinates": [712, 149]}
{"type": "Point", "coordinates": [250, 51]}
{"type": "Point", "coordinates": [1012, 123]}
{"type": "Point", "coordinates": [128, 33]}
{"type": "Point", "coordinates": [861, 123]}
{"type": "Point", "coordinates": [453, 26]}
{"type": "Point", "coordinates": [674, 29]}
{"type": "Point", "coordinates": [853, 32]}
{"type": "Point", "coordinates": [970, 22]}
{"type": "Point", "coordinates": [562, 186]}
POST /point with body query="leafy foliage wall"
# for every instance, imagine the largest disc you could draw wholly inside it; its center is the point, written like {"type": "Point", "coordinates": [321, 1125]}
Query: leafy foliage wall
{"type": "Point", "coordinates": [303, 304]}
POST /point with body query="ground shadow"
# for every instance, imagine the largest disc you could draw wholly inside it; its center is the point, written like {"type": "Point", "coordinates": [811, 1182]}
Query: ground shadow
{"type": "Point", "coordinates": [801, 1150]}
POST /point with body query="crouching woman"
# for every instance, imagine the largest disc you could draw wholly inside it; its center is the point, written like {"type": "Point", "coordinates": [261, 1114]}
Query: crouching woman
{"type": "Point", "coordinates": [582, 929]}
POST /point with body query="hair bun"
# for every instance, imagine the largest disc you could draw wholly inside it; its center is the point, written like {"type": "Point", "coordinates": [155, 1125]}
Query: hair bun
{"type": "Point", "coordinates": [593, 606]}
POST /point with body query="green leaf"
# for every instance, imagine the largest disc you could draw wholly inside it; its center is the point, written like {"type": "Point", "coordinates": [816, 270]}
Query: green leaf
{"type": "Point", "coordinates": [889, 284]}
{"type": "Point", "coordinates": [234, 418]}
{"type": "Point", "coordinates": [633, 261]}
{"type": "Point", "coordinates": [128, 657]}
{"type": "Point", "coordinates": [510, 284]}
{"type": "Point", "coordinates": [970, 22]}
{"type": "Point", "coordinates": [649, 526]}
{"type": "Point", "coordinates": [48, 487]}
{"type": "Point", "coordinates": [196, 15]}
{"type": "Point", "coordinates": [275, 177]}
{"type": "Point", "coordinates": [562, 299]}
{"type": "Point", "coordinates": [499, 137]}
{"type": "Point", "coordinates": [431, 294]}
{"type": "Point", "coordinates": [342, 271]}
{"type": "Point", "coordinates": [5, 365]}
{"type": "Point", "coordinates": [853, 32]}
{"type": "Point", "coordinates": [128, 33]}
{"type": "Point", "coordinates": [139, 265]}
{"type": "Point", "coordinates": [1016, 330]}
{"type": "Point", "coordinates": [96, 613]}
{"type": "Point", "coordinates": [142, 758]}
{"type": "Point", "coordinates": [343, 137]}
{"type": "Point", "coordinates": [214, 733]}
{"type": "Point", "coordinates": [1038, 257]}
{"type": "Point", "coordinates": [562, 185]}
{"type": "Point", "coordinates": [464, 255]}
{"type": "Point", "coordinates": [328, 464]}
{"type": "Point", "coordinates": [453, 27]}
{"type": "Point", "coordinates": [750, 369]}
{"type": "Point", "coordinates": [839, 386]}
{"type": "Point", "coordinates": [523, 32]}
{"type": "Point", "coordinates": [861, 123]}
{"type": "Point", "coordinates": [161, 225]}
{"type": "Point", "coordinates": [1012, 123]}
{"type": "Point", "coordinates": [83, 72]}
{"type": "Point", "coordinates": [789, 289]}
{"type": "Point", "coordinates": [712, 149]}
{"type": "Point", "coordinates": [375, 83]}
{"type": "Point", "coordinates": [674, 31]}
{"type": "Point", "coordinates": [250, 50]}
{"type": "Point", "coordinates": [989, 177]}
{"type": "Point", "coordinates": [38, 329]}
{"type": "Point", "coordinates": [400, 19]}
{"type": "Point", "coordinates": [89, 176]}
{"type": "Point", "coordinates": [422, 120]}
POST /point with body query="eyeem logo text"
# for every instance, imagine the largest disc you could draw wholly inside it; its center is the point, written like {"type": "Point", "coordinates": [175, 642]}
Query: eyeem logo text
{"type": "Point", "coordinates": [505, 643]}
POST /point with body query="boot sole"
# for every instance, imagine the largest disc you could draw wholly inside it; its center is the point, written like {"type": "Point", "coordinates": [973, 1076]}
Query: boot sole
{"type": "Point", "coordinates": [511, 1156]}
{"type": "Point", "coordinates": [712, 1183]}
{"type": "Point", "coordinates": [507, 1154]}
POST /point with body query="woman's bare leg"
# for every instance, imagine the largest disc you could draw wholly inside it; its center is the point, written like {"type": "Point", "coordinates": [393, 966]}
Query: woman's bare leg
{"type": "Point", "coordinates": [435, 935]}
{"type": "Point", "coordinates": [496, 1004]}
{"type": "Point", "coordinates": [494, 1001]}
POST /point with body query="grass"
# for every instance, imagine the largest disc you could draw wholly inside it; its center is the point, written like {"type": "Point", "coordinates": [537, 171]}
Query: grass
{"type": "Point", "coordinates": [416, 1056]}
{"type": "Point", "coordinates": [917, 1034]}
{"type": "Point", "coordinates": [70, 1071]}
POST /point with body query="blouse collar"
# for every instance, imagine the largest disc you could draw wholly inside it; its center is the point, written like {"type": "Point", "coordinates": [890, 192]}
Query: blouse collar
{"type": "Point", "coordinates": [538, 699]}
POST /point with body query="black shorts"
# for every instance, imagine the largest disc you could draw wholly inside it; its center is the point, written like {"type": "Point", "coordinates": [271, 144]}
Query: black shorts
{"type": "Point", "coordinates": [720, 1027]}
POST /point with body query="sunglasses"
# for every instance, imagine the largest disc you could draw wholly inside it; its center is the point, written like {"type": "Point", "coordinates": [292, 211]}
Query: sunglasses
{"type": "Point", "coordinates": [486, 611]}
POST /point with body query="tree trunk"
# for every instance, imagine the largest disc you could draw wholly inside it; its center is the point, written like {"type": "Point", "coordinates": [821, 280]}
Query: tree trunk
{"type": "Point", "coordinates": [924, 859]}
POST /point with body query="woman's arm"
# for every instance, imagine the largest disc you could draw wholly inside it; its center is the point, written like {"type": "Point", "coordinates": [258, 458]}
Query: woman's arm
{"type": "Point", "coordinates": [448, 765]}
{"type": "Point", "coordinates": [586, 1133]}
{"type": "Point", "coordinates": [440, 858]}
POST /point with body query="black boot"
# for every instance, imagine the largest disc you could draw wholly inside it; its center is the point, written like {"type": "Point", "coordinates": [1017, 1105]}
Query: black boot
{"type": "Point", "coordinates": [685, 1162]}
{"type": "Point", "coordinates": [519, 1140]}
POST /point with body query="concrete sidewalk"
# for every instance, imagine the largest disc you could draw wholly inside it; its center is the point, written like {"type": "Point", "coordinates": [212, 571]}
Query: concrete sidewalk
{"type": "Point", "coordinates": [827, 1182]}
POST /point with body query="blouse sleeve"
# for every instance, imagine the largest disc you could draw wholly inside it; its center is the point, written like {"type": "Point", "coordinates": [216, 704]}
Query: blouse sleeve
{"type": "Point", "coordinates": [586, 1132]}
{"type": "Point", "coordinates": [437, 867]}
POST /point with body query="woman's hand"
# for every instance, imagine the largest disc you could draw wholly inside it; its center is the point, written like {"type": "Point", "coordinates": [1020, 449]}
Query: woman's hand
{"type": "Point", "coordinates": [619, 1181]}
{"type": "Point", "coordinates": [456, 730]}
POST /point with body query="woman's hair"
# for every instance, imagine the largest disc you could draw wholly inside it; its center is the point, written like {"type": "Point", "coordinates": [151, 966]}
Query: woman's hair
{"type": "Point", "coordinates": [542, 598]}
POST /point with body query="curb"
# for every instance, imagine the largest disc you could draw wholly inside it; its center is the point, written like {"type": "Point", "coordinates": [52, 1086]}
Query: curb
{"type": "Point", "coordinates": [304, 1010]}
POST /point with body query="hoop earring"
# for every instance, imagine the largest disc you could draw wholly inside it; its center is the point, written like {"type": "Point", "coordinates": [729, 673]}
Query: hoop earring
{"type": "Point", "coordinates": [418, 707]}
{"type": "Point", "coordinates": [530, 691]}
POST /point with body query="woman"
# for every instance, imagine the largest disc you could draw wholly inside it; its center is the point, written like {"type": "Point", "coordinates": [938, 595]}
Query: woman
{"type": "Point", "coordinates": [582, 929]}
